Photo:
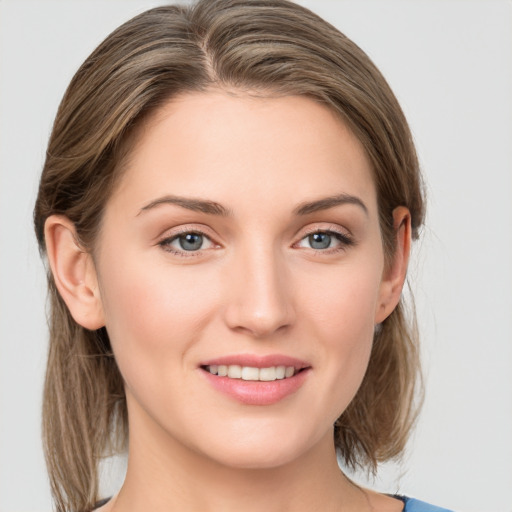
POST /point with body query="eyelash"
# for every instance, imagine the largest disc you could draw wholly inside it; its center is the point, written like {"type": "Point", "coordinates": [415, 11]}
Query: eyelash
{"type": "Point", "coordinates": [165, 244]}
{"type": "Point", "coordinates": [344, 239]}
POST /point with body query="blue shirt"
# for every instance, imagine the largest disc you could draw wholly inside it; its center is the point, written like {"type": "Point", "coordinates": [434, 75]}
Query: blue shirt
{"type": "Point", "coordinates": [412, 505]}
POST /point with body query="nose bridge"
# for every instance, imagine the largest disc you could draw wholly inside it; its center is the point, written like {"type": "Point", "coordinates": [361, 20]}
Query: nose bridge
{"type": "Point", "coordinates": [260, 302]}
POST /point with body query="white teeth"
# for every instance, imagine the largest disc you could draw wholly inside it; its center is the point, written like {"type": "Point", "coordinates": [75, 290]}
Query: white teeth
{"type": "Point", "coordinates": [268, 374]}
{"type": "Point", "coordinates": [249, 373]}
{"type": "Point", "coordinates": [235, 371]}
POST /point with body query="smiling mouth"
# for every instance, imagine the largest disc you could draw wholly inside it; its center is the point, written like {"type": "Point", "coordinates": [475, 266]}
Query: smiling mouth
{"type": "Point", "coordinates": [250, 373]}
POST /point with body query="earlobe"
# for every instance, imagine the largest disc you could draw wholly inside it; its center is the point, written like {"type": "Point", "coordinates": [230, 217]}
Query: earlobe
{"type": "Point", "coordinates": [396, 271]}
{"type": "Point", "coordinates": [74, 272]}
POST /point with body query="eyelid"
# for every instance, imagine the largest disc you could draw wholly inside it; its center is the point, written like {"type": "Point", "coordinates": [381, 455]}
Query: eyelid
{"type": "Point", "coordinates": [173, 234]}
{"type": "Point", "coordinates": [343, 235]}
{"type": "Point", "coordinates": [324, 227]}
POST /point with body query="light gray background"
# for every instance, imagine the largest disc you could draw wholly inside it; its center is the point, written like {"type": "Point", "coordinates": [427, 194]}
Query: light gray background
{"type": "Point", "coordinates": [450, 64]}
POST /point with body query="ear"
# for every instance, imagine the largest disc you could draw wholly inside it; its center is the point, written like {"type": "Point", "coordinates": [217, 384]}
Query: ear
{"type": "Point", "coordinates": [74, 272]}
{"type": "Point", "coordinates": [395, 272]}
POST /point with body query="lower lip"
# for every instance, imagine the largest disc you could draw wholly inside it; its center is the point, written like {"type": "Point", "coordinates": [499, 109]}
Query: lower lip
{"type": "Point", "coordinates": [252, 392]}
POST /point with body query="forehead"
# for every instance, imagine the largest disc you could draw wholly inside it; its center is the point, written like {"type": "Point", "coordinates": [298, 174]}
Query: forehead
{"type": "Point", "coordinates": [232, 148]}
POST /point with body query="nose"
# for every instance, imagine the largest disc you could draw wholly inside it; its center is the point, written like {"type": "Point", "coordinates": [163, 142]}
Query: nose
{"type": "Point", "coordinates": [260, 294]}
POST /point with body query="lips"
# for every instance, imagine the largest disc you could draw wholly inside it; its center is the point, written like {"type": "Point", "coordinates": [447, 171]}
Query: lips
{"type": "Point", "coordinates": [256, 380]}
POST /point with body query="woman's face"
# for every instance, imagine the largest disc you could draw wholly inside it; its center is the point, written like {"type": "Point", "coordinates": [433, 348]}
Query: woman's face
{"type": "Point", "coordinates": [244, 239]}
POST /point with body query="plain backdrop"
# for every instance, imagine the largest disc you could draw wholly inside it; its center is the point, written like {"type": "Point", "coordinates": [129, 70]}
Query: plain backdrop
{"type": "Point", "coordinates": [450, 65]}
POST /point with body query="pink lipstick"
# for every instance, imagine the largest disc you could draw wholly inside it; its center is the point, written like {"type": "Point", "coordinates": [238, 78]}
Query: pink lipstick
{"type": "Point", "coordinates": [256, 380]}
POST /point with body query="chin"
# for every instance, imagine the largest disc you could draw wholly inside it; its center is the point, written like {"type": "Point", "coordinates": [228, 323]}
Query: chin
{"type": "Point", "coordinates": [264, 448]}
{"type": "Point", "coordinates": [257, 459]}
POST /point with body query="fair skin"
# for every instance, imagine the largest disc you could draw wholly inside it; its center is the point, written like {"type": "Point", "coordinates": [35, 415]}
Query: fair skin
{"type": "Point", "coordinates": [217, 248]}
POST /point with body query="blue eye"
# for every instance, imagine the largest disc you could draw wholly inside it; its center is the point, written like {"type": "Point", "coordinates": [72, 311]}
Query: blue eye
{"type": "Point", "coordinates": [186, 242]}
{"type": "Point", "coordinates": [190, 241]}
{"type": "Point", "coordinates": [320, 240]}
{"type": "Point", "coordinates": [325, 240]}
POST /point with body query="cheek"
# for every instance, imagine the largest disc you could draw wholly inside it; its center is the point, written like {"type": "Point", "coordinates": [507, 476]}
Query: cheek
{"type": "Point", "coordinates": [342, 300]}
{"type": "Point", "coordinates": [153, 312]}
{"type": "Point", "coordinates": [342, 317]}
{"type": "Point", "coordinates": [349, 327]}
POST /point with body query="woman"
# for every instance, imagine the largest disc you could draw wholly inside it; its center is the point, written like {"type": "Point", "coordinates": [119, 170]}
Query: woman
{"type": "Point", "coordinates": [227, 207]}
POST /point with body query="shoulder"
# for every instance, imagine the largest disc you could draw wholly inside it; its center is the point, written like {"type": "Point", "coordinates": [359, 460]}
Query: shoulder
{"type": "Point", "coordinates": [413, 505]}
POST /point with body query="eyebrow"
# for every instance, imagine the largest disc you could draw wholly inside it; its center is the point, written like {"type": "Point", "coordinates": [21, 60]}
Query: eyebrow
{"type": "Point", "coordinates": [214, 208]}
{"type": "Point", "coordinates": [329, 202]}
{"type": "Point", "coordinates": [196, 205]}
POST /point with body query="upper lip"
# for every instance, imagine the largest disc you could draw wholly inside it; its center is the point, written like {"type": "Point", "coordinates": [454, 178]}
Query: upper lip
{"type": "Point", "coordinates": [257, 361]}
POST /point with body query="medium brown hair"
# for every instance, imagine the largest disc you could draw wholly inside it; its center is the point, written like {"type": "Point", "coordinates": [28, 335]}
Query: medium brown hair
{"type": "Point", "coordinates": [268, 46]}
